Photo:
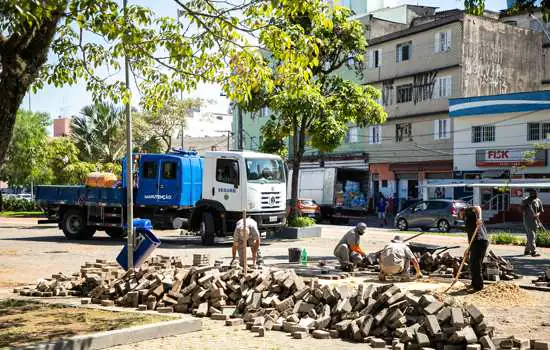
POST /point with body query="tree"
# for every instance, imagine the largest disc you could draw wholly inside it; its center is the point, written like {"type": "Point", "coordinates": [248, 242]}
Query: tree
{"type": "Point", "coordinates": [311, 101]}
{"type": "Point", "coordinates": [477, 7]}
{"type": "Point", "coordinates": [27, 152]}
{"type": "Point", "coordinates": [98, 133]}
{"type": "Point", "coordinates": [172, 116]}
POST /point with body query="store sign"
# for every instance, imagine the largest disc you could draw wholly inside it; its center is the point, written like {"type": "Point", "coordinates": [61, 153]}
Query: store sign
{"type": "Point", "coordinates": [509, 158]}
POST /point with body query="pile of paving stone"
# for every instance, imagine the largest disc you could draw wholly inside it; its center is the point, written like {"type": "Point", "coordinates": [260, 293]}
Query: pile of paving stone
{"type": "Point", "coordinates": [271, 299]}
{"type": "Point", "coordinates": [495, 267]}
{"type": "Point", "coordinates": [543, 280]}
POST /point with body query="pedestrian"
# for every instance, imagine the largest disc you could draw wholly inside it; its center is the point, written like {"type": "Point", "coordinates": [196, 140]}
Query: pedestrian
{"type": "Point", "coordinates": [382, 210]}
{"type": "Point", "coordinates": [348, 250]}
{"type": "Point", "coordinates": [531, 207]}
{"type": "Point", "coordinates": [396, 259]}
{"type": "Point", "coordinates": [473, 224]}
{"type": "Point", "coordinates": [253, 241]}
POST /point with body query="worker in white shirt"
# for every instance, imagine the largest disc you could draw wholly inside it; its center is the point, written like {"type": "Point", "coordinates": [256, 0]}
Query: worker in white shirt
{"type": "Point", "coordinates": [253, 241]}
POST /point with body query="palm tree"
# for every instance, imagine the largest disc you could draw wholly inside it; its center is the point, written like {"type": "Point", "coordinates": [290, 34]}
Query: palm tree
{"type": "Point", "coordinates": [98, 133]}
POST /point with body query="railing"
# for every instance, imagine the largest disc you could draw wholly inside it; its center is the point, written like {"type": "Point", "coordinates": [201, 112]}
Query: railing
{"type": "Point", "coordinates": [496, 204]}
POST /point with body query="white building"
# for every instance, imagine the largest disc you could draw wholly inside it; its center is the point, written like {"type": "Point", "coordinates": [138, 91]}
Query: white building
{"type": "Point", "coordinates": [502, 137]}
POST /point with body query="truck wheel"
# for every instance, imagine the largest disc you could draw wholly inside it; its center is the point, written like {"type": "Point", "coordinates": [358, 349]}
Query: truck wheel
{"type": "Point", "coordinates": [115, 232]}
{"type": "Point", "coordinates": [207, 229]}
{"type": "Point", "coordinates": [74, 226]}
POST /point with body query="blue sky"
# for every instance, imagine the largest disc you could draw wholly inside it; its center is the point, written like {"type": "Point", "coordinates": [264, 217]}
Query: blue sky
{"type": "Point", "coordinates": [69, 100]}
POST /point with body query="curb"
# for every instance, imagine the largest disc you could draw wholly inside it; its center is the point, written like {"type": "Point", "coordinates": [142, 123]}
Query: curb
{"type": "Point", "coordinates": [108, 339]}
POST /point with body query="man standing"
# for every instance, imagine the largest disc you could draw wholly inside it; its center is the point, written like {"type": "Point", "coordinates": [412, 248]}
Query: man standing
{"type": "Point", "coordinates": [473, 224]}
{"type": "Point", "coordinates": [531, 207]}
{"type": "Point", "coordinates": [382, 210]}
{"type": "Point", "coordinates": [396, 259]}
{"type": "Point", "coordinates": [253, 241]}
{"type": "Point", "coordinates": [348, 251]}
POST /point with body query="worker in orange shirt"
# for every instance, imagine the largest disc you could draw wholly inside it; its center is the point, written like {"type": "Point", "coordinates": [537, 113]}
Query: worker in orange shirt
{"type": "Point", "coordinates": [348, 250]}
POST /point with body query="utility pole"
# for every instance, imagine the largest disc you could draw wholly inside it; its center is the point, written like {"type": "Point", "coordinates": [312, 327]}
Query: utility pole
{"type": "Point", "coordinates": [129, 159]}
{"type": "Point", "coordinates": [240, 127]}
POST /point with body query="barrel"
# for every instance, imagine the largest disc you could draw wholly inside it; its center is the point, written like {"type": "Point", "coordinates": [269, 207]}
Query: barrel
{"type": "Point", "coordinates": [146, 242]}
{"type": "Point", "coordinates": [294, 255]}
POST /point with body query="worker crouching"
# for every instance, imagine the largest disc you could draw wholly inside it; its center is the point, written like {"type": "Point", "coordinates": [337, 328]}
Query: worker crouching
{"type": "Point", "coordinates": [396, 259]}
{"type": "Point", "coordinates": [348, 250]}
{"type": "Point", "coordinates": [252, 235]}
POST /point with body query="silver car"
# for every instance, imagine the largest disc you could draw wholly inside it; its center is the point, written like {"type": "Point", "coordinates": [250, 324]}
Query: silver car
{"type": "Point", "coordinates": [438, 213]}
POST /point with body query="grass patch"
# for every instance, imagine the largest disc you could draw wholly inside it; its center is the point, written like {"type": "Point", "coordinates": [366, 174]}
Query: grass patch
{"type": "Point", "coordinates": [21, 214]}
{"type": "Point", "coordinates": [506, 238]}
{"type": "Point", "coordinates": [301, 221]}
{"type": "Point", "coordinates": [23, 323]}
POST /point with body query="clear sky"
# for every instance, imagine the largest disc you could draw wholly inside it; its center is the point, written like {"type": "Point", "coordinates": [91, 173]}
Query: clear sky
{"type": "Point", "coordinates": [69, 100]}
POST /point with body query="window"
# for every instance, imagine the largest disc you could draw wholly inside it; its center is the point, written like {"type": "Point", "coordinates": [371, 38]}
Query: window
{"type": "Point", "coordinates": [375, 134]}
{"type": "Point", "coordinates": [443, 87]}
{"type": "Point", "coordinates": [375, 58]}
{"type": "Point", "coordinates": [442, 129]}
{"type": "Point", "coordinates": [149, 170]}
{"type": "Point", "coordinates": [260, 141]}
{"type": "Point", "coordinates": [263, 112]}
{"type": "Point", "coordinates": [442, 41]}
{"type": "Point", "coordinates": [384, 183]}
{"type": "Point", "coordinates": [403, 132]}
{"type": "Point", "coordinates": [420, 206]}
{"type": "Point", "coordinates": [404, 93]}
{"type": "Point", "coordinates": [169, 170]}
{"type": "Point", "coordinates": [227, 171]}
{"type": "Point", "coordinates": [484, 133]}
{"type": "Point", "coordinates": [538, 131]}
{"type": "Point", "coordinates": [437, 205]}
{"type": "Point", "coordinates": [511, 23]}
{"type": "Point", "coordinates": [404, 51]}
{"type": "Point", "coordinates": [352, 136]}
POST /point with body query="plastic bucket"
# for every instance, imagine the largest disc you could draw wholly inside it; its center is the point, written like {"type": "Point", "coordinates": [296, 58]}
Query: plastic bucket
{"type": "Point", "coordinates": [145, 243]}
{"type": "Point", "coordinates": [294, 255]}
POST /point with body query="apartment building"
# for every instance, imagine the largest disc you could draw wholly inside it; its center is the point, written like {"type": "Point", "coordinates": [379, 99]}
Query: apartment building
{"type": "Point", "coordinates": [448, 54]}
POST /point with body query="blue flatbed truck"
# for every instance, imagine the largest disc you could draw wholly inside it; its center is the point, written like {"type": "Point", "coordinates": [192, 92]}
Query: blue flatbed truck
{"type": "Point", "coordinates": [205, 194]}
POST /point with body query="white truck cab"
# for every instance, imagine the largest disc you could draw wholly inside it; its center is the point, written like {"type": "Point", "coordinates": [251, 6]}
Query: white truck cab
{"type": "Point", "coordinates": [234, 182]}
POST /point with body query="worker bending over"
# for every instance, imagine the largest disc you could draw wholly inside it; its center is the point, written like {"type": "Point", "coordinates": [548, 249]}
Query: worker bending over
{"type": "Point", "coordinates": [253, 241]}
{"type": "Point", "coordinates": [348, 250]}
{"type": "Point", "coordinates": [473, 224]}
{"type": "Point", "coordinates": [395, 259]}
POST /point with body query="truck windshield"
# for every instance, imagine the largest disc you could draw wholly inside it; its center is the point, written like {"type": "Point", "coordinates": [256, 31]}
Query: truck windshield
{"type": "Point", "coordinates": [265, 170]}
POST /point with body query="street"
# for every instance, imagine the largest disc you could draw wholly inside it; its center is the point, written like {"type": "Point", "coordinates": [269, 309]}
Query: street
{"type": "Point", "coordinates": [29, 251]}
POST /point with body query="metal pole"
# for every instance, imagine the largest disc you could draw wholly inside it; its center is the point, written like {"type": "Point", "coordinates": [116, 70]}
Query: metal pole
{"type": "Point", "coordinates": [228, 137]}
{"type": "Point", "coordinates": [240, 127]}
{"type": "Point", "coordinates": [129, 162]}
{"type": "Point", "coordinates": [182, 127]}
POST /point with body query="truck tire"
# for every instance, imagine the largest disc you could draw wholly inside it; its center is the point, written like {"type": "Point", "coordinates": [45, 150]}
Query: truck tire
{"type": "Point", "coordinates": [115, 232]}
{"type": "Point", "coordinates": [74, 225]}
{"type": "Point", "coordinates": [207, 229]}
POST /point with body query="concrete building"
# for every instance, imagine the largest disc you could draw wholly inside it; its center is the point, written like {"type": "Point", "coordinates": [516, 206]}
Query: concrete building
{"type": "Point", "coordinates": [445, 55]}
{"type": "Point", "coordinates": [502, 137]}
{"type": "Point", "coordinates": [61, 126]}
{"type": "Point", "coordinates": [204, 130]}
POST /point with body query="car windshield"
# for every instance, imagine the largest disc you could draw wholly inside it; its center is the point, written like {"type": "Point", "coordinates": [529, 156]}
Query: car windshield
{"type": "Point", "coordinates": [307, 202]}
{"type": "Point", "coordinates": [265, 170]}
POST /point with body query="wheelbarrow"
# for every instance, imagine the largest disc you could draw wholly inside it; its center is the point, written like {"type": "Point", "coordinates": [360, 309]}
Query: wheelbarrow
{"type": "Point", "coordinates": [422, 248]}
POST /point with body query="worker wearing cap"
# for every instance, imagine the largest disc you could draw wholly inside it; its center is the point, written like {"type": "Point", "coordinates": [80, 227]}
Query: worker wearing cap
{"type": "Point", "coordinates": [396, 259]}
{"type": "Point", "coordinates": [473, 224]}
{"type": "Point", "coordinates": [253, 241]}
{"type": "Point", "coordinates": [348, 250]}
{"type": "Point", "coordinates": [531, 207]}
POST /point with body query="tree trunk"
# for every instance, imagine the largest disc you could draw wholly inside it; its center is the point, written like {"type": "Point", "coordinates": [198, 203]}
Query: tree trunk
{"type": "Point", "coordinates": [298, 147]}
{"type": "Point", "coordinates": [21, 57]}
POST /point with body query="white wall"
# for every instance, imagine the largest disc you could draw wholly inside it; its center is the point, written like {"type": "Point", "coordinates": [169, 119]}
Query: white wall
{"type": "Point", "coordinates": [510, 132]}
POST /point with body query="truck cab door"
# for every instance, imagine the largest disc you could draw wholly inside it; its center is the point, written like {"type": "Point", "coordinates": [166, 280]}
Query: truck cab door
{"type": "Point", "coordinates": [226, 184]}
{"type": "Point", "coordinates": [169, 180]}
{"type": "Point", "coordinates": [148, 181]}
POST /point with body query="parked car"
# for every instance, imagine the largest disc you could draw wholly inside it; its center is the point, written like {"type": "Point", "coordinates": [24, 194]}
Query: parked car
{"type": "Point", "coordinates": [306, 207]}
{"type": "Point", "coordinates": [438, 213]}
{"type": "Point", "coordinates": [26, 196]}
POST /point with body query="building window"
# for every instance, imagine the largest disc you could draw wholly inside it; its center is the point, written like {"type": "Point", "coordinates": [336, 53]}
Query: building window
{"type": "Point", "coordinates": [442, 129]}
{"type": "Point", "coordinates": [483, 133]}
{"type": "Point", "coordinates": [375, 57]}
{"type": "Point", "coordinates": [253, 144]}
{"type": "Point", "coordinates": [538, 131]}
{"type": "Point", "coordinates": [404, 93]}
{"type": "Point", "coordinates": [404, 51]}
{"type": "Point", "coordinates": [353, 135]}
{"type": "Point", "coordinates": [403, 132]}
{"type": "Point", "coordinates": [443, 87]}
{"type": "Point", "coordinates": [384, 183]}
{"type": "Point", "coordinates": [260, 141]}
{"type": "Point", "coordinates": [442, 41]}
{"type": "Point", "coordinates": [375, 134]}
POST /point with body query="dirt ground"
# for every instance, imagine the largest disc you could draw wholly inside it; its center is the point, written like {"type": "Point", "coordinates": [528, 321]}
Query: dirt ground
{"type": "Point", "coordinates": [29, 252]}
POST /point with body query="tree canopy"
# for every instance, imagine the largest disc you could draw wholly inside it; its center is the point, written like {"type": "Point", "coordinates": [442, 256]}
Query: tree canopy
{"type": "Point", "coordinates": [476, 7]}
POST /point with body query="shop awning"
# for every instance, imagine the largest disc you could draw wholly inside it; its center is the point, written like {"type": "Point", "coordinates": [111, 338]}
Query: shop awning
{"type": "Point", "coordinates": [494, 184]}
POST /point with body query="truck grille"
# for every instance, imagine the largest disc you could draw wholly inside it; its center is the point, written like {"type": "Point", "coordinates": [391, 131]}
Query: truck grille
{"type": "Point", "coordinates": [271, 200]}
